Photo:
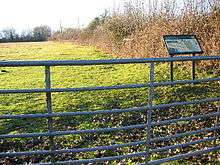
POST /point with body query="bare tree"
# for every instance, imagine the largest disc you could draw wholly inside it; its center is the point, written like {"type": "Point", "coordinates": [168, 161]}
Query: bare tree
{"type": "Point", "coordinates": [26, 35]}
{"type": "Point", "coordinates": [42, 33]}
{"type": "Point", "coordinates": [1, 35]}
{"type": "Point", "coordinates": [9, 33]}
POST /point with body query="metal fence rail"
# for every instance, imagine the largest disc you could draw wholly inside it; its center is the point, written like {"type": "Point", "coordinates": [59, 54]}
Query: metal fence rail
{"type": "Point", "coordinates": [149, 125]}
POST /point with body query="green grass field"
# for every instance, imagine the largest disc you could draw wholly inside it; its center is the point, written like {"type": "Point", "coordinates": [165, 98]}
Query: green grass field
{"type": "Point", "coordinates": [75, 76]}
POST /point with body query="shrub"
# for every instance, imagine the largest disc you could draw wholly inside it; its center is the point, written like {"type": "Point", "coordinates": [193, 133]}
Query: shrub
{"type": "Point", "coordinates": [137, 29]}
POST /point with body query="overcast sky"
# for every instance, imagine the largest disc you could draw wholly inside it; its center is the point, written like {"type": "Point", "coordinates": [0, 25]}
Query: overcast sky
{"type": "Point", "coordinates": [25, 14]}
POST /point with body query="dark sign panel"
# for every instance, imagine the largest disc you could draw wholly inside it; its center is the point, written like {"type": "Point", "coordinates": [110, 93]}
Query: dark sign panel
{"type": "Point", "coordinates": [182, 44]}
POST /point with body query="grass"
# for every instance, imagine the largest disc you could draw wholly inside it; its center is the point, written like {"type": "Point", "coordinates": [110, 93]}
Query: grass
{"type": "Point", "coordinates": [62, 77]}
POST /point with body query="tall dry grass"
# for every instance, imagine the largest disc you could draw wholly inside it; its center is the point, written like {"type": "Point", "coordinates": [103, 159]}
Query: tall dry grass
{"type": "Point", "coordinates": [137, 28]}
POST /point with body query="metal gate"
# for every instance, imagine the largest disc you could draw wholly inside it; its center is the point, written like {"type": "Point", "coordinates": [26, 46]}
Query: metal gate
{"type": "Point", "coordinates": [148, 109]}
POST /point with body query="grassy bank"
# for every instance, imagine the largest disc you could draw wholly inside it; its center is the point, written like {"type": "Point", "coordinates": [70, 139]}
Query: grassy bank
{"type": "Point", "coordinates": [33, 77]}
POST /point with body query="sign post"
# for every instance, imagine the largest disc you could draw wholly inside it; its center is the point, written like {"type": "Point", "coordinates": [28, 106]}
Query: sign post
{"type": "Point", "coordinates": [182, 45]}
{"type": "Point", "coordinates": [171, 70]}
{"type": "Point", "coordinates": [193, 69]}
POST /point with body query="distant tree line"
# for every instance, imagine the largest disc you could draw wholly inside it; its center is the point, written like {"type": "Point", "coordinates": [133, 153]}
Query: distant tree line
{"type": "Point", "coordinates": [75, 34]}
{"type": "Point", "coordinates": [39, 33]}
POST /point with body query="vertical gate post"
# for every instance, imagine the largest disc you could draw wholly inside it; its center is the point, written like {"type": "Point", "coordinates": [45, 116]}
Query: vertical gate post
{"type": "Point", "coordinates": [193, 69]}
{"type": "Point", "coordinates": [49, 109]}
{"type": "Point", "coordinates": [149, 113]}
{"type": "Point", "coordinates": [171, 70]}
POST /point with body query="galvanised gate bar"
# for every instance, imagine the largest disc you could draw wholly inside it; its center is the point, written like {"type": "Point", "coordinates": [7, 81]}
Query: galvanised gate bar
{"type": "Point", "coordinates": [148, 109]}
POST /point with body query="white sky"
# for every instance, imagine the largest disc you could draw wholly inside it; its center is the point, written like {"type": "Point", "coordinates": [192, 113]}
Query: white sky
{"type": "Point", "coordinates": [25, 14]}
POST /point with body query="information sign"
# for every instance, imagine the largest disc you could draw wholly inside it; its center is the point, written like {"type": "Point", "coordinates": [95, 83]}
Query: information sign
{"type": "Point", "coordinates": [182, 44]}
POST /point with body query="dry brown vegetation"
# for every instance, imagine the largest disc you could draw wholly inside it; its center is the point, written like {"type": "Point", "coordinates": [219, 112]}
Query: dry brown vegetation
{"type": "Point", "coordinates": [136, 30]}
